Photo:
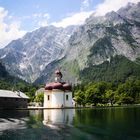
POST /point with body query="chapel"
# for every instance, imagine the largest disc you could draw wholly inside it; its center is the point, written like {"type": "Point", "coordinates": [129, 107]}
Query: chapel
{"type": "Point", "coordinates": [58, 94]}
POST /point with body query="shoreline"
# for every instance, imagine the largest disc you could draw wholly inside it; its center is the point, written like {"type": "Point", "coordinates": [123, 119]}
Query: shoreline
{"type": "Point", "coordinates": [93, 107]}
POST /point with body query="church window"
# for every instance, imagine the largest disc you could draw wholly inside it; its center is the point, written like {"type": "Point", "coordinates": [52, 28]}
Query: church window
{"type": "Point", "coordinates": [67, 97]}
{"type": "Point", "coordinates": [48, 97]}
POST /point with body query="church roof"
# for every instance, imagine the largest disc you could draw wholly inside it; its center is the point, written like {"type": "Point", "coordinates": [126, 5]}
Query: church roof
{"type": "Point", "coordinates": [13, 94]}
{"type": "Point", "coordinates": [67, 86]}
{"type": "Point", "coordinates": [58, 85]}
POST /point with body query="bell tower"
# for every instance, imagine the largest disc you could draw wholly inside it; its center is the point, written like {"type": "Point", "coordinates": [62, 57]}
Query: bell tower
{"type": "Point", "coordinates": [58, 76]}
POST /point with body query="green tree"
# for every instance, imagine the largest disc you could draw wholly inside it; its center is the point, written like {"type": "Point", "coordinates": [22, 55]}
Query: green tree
{"type": "Point", "coordinates": [93, 95]}
{"type": "Point", "coordinates": [80, 97]}
{"type": "Point", "coordinates": [127, 100]}
{"type": "Point", "coordinates": [39, 97]}
{"type": "Point", "coordinates": [110, 96]}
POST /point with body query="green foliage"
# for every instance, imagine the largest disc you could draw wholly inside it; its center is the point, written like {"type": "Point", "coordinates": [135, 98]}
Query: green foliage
{"type": "Point", "coordinates": [39, 97]}
{"type": "Point", "coordinates": [127, 100]}
{"type": "Point", "coordinates": [109, 96]}
{"type": "Point", "coordinates": [93, 95]}
{"type": "Point", "coordinates": [100, 47]}
{"type": "Point", "coordinates": [71, 67]}
{"type": "Point", "coordinates": [108, 93]}
{"type": "Point", "coordinates": [7, 81]}
{"type": "Point", "coordinates": [118, 70]}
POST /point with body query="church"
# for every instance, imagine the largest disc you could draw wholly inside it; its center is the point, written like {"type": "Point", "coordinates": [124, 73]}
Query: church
{"type": "Point", "coordinates": [58, 94]}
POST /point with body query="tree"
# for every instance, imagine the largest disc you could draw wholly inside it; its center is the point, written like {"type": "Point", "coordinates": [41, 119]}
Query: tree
{"type": "Point", "coordinates": [109, 95]}
{"type": "Point", "coordinates": [93, 95]}
{"type": "Point", "coordinates": [127, 100]}
{"type": "Point", "coordinates": [80, 97]}
{"type": "Point", "coordinates": [103, 92]}
{"type": "Point", "coordinates": [39, 97]}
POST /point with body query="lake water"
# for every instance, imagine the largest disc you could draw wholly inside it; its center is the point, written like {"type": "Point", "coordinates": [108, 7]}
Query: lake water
{"type": "Point", "coordinates": [120, 123]}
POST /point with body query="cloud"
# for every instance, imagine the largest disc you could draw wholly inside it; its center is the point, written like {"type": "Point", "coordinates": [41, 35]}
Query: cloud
{"type": "Point", "coordinates": [75, 19]}
{"type": "Point", "coordinates": [85, 5]}
{"type": "Point", "coordinates": [46, 15]}
{"type": "Point", "coordinates": [8, 32]}
{"type": "Point", "coordinates": [111, 5]}
{"type": "Point", "coordinates": [12, 29]}
{"type": "Point", "coordinates": [3, 13]}
{"type": "Point", "coordinates": [41, 18]}
{"type": "Point", "coordinates": [100, 10]}
{"type": "Point", "coordinates": [41, 15]}
{"type": "Point", "coordinates": [43, 23]}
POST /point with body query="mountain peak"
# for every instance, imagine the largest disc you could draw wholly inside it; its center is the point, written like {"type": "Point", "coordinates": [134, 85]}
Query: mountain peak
{"type": "Point", "coordinates": [76, 47]}
{"type": "Point", "coordinates": [131, 11]}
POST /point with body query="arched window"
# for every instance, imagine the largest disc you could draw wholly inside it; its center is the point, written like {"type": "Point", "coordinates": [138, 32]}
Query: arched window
{"type": "Point", "coordinates": [48, 97]}
{"type": "Point", "coordinates": [67, 97]}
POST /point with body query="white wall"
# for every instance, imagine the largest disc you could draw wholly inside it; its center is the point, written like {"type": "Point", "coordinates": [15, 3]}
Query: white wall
{"type": "Point", "coordinates": [47, 103]}
{"type": "Point", "coordinates": [57, 99]}
{"type": "Point", "coordinates": [68, 103]}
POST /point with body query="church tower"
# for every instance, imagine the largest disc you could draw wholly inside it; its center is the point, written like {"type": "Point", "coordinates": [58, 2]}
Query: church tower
{"type": "Point", "coordinates": [58, 94]}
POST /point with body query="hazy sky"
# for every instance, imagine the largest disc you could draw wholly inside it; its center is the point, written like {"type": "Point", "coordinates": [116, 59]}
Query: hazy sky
{"type": "Point", "coordinates": [20, 16]}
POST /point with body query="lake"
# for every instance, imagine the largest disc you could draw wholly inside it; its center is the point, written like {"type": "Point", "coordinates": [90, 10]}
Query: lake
{"type": "Point", "coordinates": [114, 123]}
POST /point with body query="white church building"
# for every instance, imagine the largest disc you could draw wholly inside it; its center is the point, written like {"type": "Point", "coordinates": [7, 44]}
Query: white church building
{"type": "Point", "coordinates": [58, 94]}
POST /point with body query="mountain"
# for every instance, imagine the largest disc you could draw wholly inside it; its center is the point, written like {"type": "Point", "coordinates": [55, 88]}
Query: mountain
{"type": "Point", "coordinates": [102, 48]}
{"type": "Point", "coordinates": [3, 72]}
{"type": "Point", "coordinates": [106, 45]}
{"type": "Point", "coordinates": [6, 80]}
{"type": "Point", "coordinates": [28, 56]}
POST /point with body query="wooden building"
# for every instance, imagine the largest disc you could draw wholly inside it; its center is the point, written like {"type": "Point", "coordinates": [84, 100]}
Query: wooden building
{"type": "Point", "coordinates": [13, 99]}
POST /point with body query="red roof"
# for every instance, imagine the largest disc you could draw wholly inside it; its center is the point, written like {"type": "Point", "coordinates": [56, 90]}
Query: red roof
{"type": "Point", "coordinates": [67, 86]}
{"type": "Point", "coordinates": [48, 86]}
{"type": "Point", "coordinates": [58, 85]}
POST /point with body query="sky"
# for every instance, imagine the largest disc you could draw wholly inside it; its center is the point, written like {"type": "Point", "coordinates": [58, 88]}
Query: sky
{"type": "Point", "coordinates": [17, 17]}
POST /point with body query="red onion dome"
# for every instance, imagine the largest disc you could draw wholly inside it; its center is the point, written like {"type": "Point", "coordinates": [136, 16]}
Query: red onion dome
{"type": "Point", "coordinates": [57, 85]}
{"type": "Point", "coordinates": [67, 86]}
{"type": "Point", "coordinates": [48, 86]}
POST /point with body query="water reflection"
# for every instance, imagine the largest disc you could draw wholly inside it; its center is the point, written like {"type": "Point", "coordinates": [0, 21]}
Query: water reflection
{"type": "Point", "coordinates": [56, 117]}
{"type": "Point", "coordinates": [10, 120]}
{"type": "Point", "coordinates": [71, 124]}
{"type": "Point", "coordinates": [36, 124]}
{"type": "Point", "coordinates": [109, 123]}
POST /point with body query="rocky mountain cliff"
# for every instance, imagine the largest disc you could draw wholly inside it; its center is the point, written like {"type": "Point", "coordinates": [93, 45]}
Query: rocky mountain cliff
{"type": "Point", "coordinates": [28, 56]}
{"type": "Point", "coordinates": [76, 49]}
{"type": "Point", "coordinates": [113, 38]}
{"type": "Point", "coordinates": [6, 80]}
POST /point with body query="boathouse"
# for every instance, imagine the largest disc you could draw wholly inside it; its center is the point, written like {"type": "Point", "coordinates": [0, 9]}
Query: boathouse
{"type": "Point", "coordinates": [13, 99]}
